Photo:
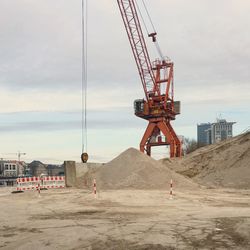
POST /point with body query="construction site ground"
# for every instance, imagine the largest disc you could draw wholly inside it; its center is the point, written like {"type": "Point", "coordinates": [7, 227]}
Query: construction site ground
{"type": "Point", "coordinates": [210, 208]}
{"type": "Point", "coordinates": [125, 219]}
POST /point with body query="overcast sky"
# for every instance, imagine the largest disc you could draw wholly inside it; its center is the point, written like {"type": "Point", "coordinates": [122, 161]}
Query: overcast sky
{"type": "Point", "coordinates": [40, 73]}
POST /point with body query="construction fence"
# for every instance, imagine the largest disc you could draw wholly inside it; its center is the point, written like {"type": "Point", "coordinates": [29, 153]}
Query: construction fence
{"type": "Point", "coordinates": [35, 183]}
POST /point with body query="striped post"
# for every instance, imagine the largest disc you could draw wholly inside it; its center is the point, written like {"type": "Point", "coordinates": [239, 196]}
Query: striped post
{"type": "Point", "coordinates": [94, 187]}
{"type": "Point", "coordinates": [39, 189]}
{"type": "Point", "coordinates": [171, 189]}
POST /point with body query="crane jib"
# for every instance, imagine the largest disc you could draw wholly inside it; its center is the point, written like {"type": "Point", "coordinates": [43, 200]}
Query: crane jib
{"type": "Point", "coordinates": [159, 108]}
{"type": "Point", "coordinates": [138, 45]}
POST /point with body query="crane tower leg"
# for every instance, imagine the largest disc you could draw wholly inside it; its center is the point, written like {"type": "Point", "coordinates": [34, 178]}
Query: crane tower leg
{"type": "Point", "coordinates": [153, 137]}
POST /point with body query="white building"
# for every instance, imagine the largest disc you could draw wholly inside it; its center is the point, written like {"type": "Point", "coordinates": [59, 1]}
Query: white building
{"type": "Point", "coordinates": [210, 133]}
{"type": "Point", "coordinates": [221, 130]}
{"type": "Point", "coordinates": [12, 168]}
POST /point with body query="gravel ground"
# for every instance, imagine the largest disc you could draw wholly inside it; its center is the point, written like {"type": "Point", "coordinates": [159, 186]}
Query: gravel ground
{"type": "Point", "coordinates": [125, 219]}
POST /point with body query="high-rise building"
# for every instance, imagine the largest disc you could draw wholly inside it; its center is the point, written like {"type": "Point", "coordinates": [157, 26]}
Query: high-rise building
{"type": "Point", "coordinates": [209, 133]}
{"type": "Point", "coordinates": [203, 134]}
{"type": "Point", "coordinates": [221, 130]}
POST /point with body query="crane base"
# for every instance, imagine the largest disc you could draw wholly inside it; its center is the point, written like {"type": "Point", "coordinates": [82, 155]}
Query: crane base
{"type": "Point", "coordinates": [153, 137]}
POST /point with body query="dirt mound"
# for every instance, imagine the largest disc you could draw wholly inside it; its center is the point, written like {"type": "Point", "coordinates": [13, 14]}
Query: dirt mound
{"type": "Point", "coordinates": [225, 164]}
{"type": "Point", "coordinates": [133, 169]}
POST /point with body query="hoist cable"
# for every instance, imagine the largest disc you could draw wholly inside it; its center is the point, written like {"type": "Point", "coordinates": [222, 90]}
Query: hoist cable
{"type": "Point", "coordinates": [147, 29]}
{"type": "Point", "coordinates": [84, 74]}
{"type": "Point", "coordinates": [149, 16]}
{"type": "Point", "coordinates": [143, 21]}
{"type": "Point", "coordinates": [82, 79]}
{"type": "Point", "coordinates": [160, 52]}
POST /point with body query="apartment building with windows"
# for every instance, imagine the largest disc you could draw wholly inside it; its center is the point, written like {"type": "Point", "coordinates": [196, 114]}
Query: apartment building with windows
{"type": "Point", "coordinates": [210, 133]}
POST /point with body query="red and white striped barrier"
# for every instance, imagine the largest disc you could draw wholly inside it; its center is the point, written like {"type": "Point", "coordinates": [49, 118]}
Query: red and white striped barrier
{"type": "Point", "coordinates": [171, 189]}
{"type": "Point", "coordinates": [94, 187]}
{"type": "Point", "coordinates": [27, 183]}
{"type": "Point", "coordinates": [35, 183]}
{"type": "Point", "coordinates": [53, 182]}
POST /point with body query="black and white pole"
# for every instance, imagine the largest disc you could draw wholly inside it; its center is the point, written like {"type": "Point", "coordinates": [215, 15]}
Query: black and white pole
{"type": "Point", "coordinates": [171, 189]}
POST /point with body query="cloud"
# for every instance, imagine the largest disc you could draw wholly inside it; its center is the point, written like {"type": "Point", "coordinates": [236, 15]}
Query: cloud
{"type": "Point", "coordinates": [40, 67]}
{"type": "Point", "coordinates": [63, 121]}
{"type": "Point", "coordinates": [42, 44]}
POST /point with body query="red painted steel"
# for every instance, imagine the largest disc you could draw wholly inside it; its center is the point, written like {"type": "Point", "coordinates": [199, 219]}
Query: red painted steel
{"type": "Point", "coordinates": [157, 81]}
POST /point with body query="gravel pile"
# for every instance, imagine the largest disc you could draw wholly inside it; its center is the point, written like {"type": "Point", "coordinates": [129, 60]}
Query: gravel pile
{"type": "Point", "coordinates": [225, 164]}
{"type": "Point", "coordinates": [134, 170]}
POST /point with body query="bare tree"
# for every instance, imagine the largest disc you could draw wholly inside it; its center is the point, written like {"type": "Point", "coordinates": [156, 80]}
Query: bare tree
{"type": "Point", "coordinates": [190, 145]}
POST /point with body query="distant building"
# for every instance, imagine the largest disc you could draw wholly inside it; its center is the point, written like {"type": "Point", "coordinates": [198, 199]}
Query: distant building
{"type": "Point", "coordinates": [203, 134]}
{"type": "Point", "coordinates": [55, 170]}
{"type": "Point", "coordinates": [10, 168]}
{"type": "Point", "coordinates": [13, 168]}
{"type": "Point", "coordinates": [210, 133]}
{"type": "Point", "coordinates": [36, 168]}
{"type": "Point", "coordinates": [1, 167]}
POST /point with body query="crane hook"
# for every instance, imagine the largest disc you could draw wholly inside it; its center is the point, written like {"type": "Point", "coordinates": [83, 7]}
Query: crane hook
{"type": "Point", "coordinates": [84, 157]}
{"type": "Point", "coordinates": [153, 35]}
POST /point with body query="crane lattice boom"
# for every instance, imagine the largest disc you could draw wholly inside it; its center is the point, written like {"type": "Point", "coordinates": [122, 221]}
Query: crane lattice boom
{"type": "Point", "coordinates": [159, 108]}
{"type": "Point", "coordinates": [138, 45]}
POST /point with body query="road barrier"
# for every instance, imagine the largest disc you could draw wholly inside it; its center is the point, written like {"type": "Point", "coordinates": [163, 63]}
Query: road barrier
{"type": "Point", "coordinates": [35, 183]}
{"type": "Point", "coordinates": [27, 183]}
{"type": "Point", "coordinates": [53, 182]}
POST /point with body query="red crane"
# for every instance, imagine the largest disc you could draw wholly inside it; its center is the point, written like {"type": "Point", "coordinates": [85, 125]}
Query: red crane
{"type": "Point", "coordinates": [159, 107]}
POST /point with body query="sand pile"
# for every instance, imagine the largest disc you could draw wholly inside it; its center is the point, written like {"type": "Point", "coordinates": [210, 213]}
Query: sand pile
{"type": "Point", "coordinates": [133, 169]}
{"type": "Point", "coordinates": [225, 164]}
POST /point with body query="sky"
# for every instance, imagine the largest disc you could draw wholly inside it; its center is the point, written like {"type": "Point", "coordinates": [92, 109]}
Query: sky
{"type": "Point", "coordinates": [40, 74]}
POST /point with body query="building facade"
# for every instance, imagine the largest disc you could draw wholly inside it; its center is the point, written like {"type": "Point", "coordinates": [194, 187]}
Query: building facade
{"type": "Point", "coordinates": [11, 168]}
{"type": "Point", "coordinates": [203, 134]}
{"type": "Point", "coordinates": [55, 170]}
{"type": "Point", "coordinates": [210, 133]}
{"type": "Point", "coordinates": [221, 130]}
{"type": "Point", "coordinates": [37, 168]}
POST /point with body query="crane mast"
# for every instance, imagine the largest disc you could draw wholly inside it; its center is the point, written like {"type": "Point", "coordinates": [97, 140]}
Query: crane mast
{"type": "Point", "coordinates": [159, 108]}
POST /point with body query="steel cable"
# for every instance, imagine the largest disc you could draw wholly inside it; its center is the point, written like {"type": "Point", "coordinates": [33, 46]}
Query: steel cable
{"type": "Point", "coordinates": [84, 73]}
{"type": "Point", "coordinates": [147, 29]}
